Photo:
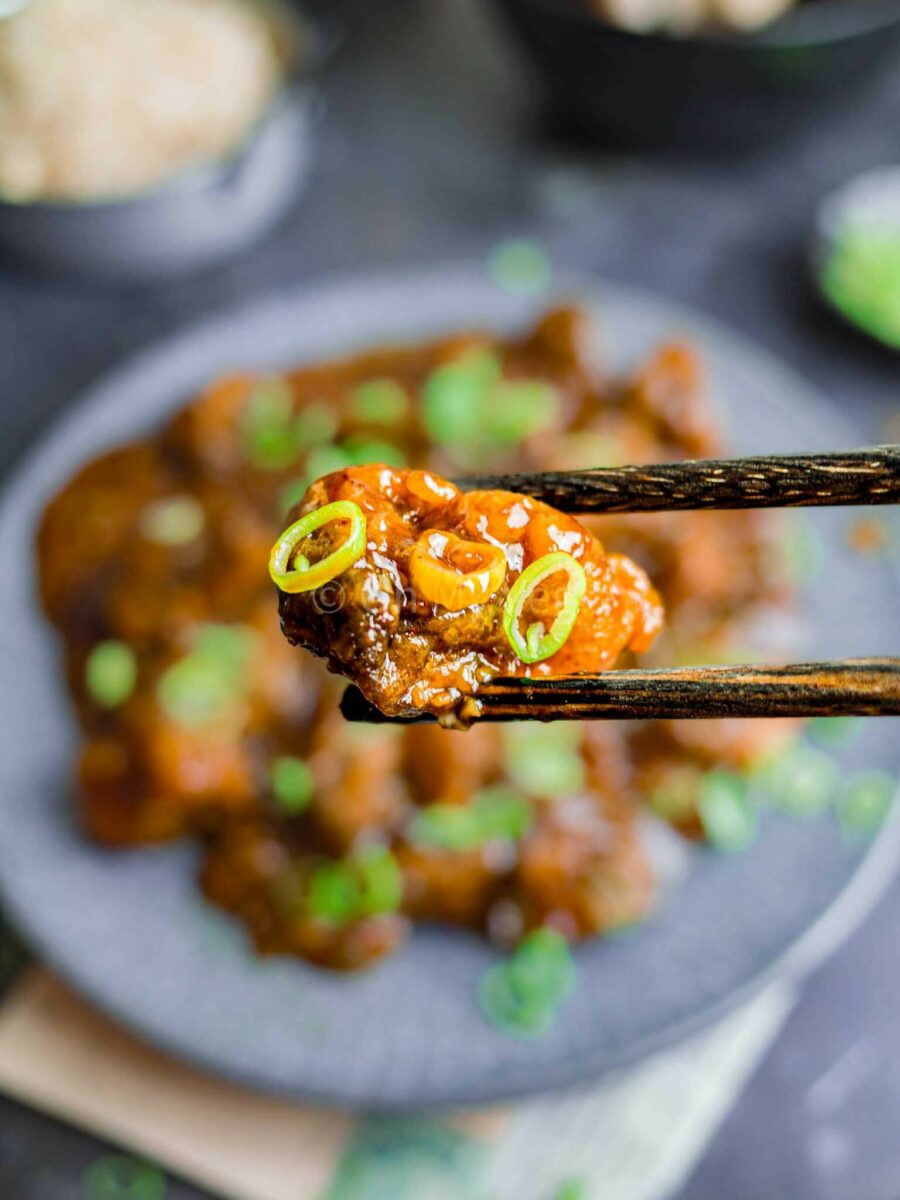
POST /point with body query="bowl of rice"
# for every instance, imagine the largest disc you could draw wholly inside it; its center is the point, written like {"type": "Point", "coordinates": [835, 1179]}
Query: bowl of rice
{"type": "Point", "coordinates": [140, 140]}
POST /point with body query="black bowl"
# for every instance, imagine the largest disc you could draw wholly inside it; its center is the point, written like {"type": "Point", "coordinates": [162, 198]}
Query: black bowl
{"type": "Point", "coordinates": [199, 217]}
{"type": "Point", "coordinates": [712, 91]}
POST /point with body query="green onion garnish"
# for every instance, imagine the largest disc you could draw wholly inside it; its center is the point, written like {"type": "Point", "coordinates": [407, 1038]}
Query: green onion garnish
{"type": "Point", "coordinates": [545, 759]}
{"type": "Point", "coordinates": [864, 803]}
{"type": "Point", "coordinates": [378, 402]}
{"type": "Point", "coordinates": [729, 819]}
{"type": "Point", "coordinates": [174, 521]}
{"type": "Point", "coordinates": [315, 425]}
{"type": "Point", "coordinates": [366, 884]}
{"type": "Point", "coordinates": [292, 784]}
{"type": "Point", "coordinates": [520, 408]}
{"type": "Point", "coordinates": [120, 1177]}
{"type": "Point", "coordinates": [110, 673]}
{"type": "Point", "coordinates": [206, 684]}
{"type": "Point", "coordinates": [267, 426]}
{"type": "Point", "coordinates": [494, 814]}
{"type": "Point", "coordinates": [333, 893]}
{"type": "Point", "coordinates": [380, 881]}
{"type": "Point", "coordinates": [835, 731]}
{"type": "Point", "coordinates": [862, 279]}
{"type": "Point", "coordinates": [363, 450]}
{"type": "Point", "coordinates": [801, 781]}
{"type": "Point", "coordinates": [537, 644]}
{"type": "Point", "coordinates": [521, 996]}
{"type": "Point", "coordinates": [519, 266]}
{"type": "Point", "coordinates": [304, 576]}
{"type": "Point", "coordinates": [571, 1189]}
{"type": "Point", "coordinates": [454, 397]}
{"type": "Point", "coordinates": [502, 813]}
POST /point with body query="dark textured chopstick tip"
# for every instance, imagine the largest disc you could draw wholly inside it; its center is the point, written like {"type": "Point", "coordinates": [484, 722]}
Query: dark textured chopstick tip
{"type": "Point", "coordinates": [854, 687]}
{"type": "Point", "coordinates": [854, 477]}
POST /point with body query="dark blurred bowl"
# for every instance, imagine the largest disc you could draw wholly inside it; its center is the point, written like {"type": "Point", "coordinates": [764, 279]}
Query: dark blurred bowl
{"type": "Point", "coordinates": [719, 91]}
{"type": "Point", "coordinates": [202, 215]}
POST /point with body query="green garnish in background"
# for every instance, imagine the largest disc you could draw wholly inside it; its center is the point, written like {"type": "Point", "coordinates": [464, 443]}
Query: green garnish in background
{"type": "Point", "coordinates": [801, 781]}
{"type": "Point", "coordinates": [378, 402]}
{"type": "Point", "coordinates": [121, 1177]}
{"type": "Point", "coordinates": [292, 784]}
{"type": "Point", "coordinates": [835, 731]}
{"type": "Point", "coordinates": [498, 813]}
{"type": "Point", "coordinates": [522, 995]}
{"type": "Point", "coordinates": [110, 673]}
{"type": "Point", "coordinates": [864, 803]}
{"type": "Point", "coordinates": [729, 819]}
{"type": "Point", "coordinates": [366, 884]}
{"type": "Point", "coordinates": [205, 685]}
{"type": "Point", "coordinates": [519, 266]}
{"type": "Point", "coordinates": [861, 277]}
{"type": "Point", "coordinates": [545, 759]}
{"type": "Point", "coordinates": [469, 407]}
{"type": "Point", "coordinates": [174, 521]}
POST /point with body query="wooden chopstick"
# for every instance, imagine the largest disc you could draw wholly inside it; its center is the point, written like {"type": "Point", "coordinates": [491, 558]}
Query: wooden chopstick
{"type": "Point", "coordinates": [854, 687]}
{"type": "Point", "coordinates": [777, 481]}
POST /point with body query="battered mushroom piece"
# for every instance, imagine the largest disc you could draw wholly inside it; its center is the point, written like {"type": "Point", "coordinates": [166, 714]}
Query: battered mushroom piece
{"type": "Point", "coordinates": [421, 593]}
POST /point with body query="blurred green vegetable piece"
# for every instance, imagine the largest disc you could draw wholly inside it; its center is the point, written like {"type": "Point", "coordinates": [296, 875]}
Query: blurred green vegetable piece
{"type": "Point", "coordinates": [292, 784]}
{"type": "Point", "coordinates": [861, 277]}
{"type": "Point", "coordinates": [494, 814]}
{"type": "Point", "coordinates": [314, 425]}
{"type": "Point", "coordinates": [362, 450]}
{"type": "Point", "coordinates": [864, 803]}
{"type": "Point", "coordinates": [572, 1189]}
{"type": "Point", "coordinates": [454, 395]}
{"type": "Point", "coordinates": [519, 266]}
{"type": "Point", "coordinates": [521, 996]}
{"type": "Point", "coordinates": [545, 759]}
{"type": "Point", "coordinates": [519, 408]}
{"type": "Point", "coordinates": [120, 1177]}
{"type": "Point", "coordinates": [333, 893]}
{"type": "Point", "coordinates": [802, 781]}
{"type": "Point", "coordinates": [267, 426]}
{"type": "Point", "coordinates": [366, 884]}
{"type": "Point", "coordinates": [174, 521]}
{"type": "Point", "coordinates": [379, 402]}
{"type": "Point", "coordinates": [205, 685]}
{"type": "Point", "coordinates": [468, 406]}
{"type": "Point", "coordinates": [835, 731]}
{"type": "Point", "coordinates": [110, 673]}
{"type": "Point", "coordinates": [273, 436]}
{"type": "Point", "coordinates": [380, 881]}
{"type": "Point", "coordinates": [729, 819]}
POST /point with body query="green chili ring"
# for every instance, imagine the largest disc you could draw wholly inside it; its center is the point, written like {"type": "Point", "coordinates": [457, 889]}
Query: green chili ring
{"type": "Point", "coordinates": [305, 577]}
{"type": "Point", "coordinates": [536, 645]}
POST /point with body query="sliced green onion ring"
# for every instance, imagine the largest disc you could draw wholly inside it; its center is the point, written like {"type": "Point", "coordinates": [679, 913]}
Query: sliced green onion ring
{"type": "Point", "coordinates": [306, 576]}
{"type": "Point", "coordinates": [537, 644]}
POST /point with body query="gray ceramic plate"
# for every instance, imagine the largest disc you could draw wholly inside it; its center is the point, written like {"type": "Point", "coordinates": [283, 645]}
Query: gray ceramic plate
{"type": "Point", "coordinates": [129, 931]}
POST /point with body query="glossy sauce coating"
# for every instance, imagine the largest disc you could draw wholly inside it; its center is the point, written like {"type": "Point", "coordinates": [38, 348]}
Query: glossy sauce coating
{"type": "Point", "coordinates": [378, 622]}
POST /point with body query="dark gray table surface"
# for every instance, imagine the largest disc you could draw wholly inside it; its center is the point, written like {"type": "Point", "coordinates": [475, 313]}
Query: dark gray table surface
{"type": "Point", "coordinates": [433, 146]}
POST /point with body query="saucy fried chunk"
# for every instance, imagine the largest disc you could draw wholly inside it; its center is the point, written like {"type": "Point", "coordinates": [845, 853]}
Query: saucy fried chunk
{"type": "Point", "coordinates": [421, 593]}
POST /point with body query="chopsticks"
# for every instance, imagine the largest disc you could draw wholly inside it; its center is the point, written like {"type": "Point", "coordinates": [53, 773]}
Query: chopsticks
{"type": "Point", "coordinates": [854, 687]}
{"type": "Point", "coordinates": [771, 481]}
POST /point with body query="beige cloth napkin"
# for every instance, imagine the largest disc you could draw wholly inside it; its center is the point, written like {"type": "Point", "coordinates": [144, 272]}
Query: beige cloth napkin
{"type": "Point", "coordinates": [634, 1136]}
